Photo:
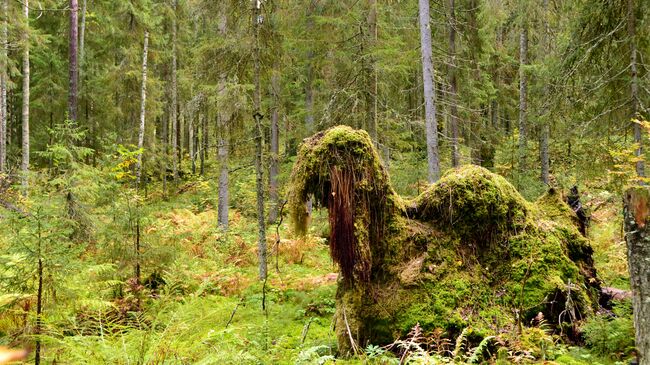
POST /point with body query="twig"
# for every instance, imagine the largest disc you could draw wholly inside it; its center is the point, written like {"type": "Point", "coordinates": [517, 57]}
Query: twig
{"type": "Point", "coordinates": [277, 237]}
{"type": "Point", "coordinates": [232, 315]}
{"type": "Point", "coordinates": [305, 330]}
{"type": "Point", "coordinates": [347, 326]}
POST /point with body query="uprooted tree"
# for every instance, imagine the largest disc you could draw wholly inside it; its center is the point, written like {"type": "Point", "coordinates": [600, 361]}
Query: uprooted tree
{"type": "Point", "coordinates": [469, 251]}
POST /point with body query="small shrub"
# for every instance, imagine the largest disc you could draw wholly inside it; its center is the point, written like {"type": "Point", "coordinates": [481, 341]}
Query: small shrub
{"type": "Point", "coordinates": [611, 335]}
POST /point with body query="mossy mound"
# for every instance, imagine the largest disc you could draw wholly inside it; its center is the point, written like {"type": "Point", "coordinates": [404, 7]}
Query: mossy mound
{"type": "Point", "coordinates": [469, 251]}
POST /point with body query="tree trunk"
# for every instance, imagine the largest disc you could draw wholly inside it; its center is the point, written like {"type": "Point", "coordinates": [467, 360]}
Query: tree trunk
{"type": "Point", "coordinates": [203, 124]}
{"type": "Point", "coordinates": [453, 86]}
{"type": "Point", "coordinates": [637, 235]}
{"type": "Point", "coordinates": [223, 152]}
{"type": "Point", "coordinates": [24, 166]}
{"type": "Point", "coordinates": [634, 85]}
{"type": "Point", "coordinates": [371, 92]}
{"type": "Point", "coordinates": [431, 121]}
{"type": "Point", "coordinates": [174, 106]}
{"type": "Point", "coordinates": [82, 43]}
{"type": "Point", "coordinates": [3, 86]}
{"type": "Point", "coordinates": [309, 91]}
{"type": "Point", "coordinates": [74, 67]}
{"type": "Point", "coordinates": [274, 168]}
{"type": "Point", "coordinates": [523, 96]}
{"type": "Point", "coordinates": [259, 140]}
{"type": "Point", "coordinates": [143, 103]}
{"type": "Point", "coordinates": [545, 130]}
{"type": "Point", "coordinates": [190, 142]}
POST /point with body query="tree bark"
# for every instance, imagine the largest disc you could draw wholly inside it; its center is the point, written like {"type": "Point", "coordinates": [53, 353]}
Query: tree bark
{"type": "Point", "coordinates": [203, 124]}
{"type": "Point", "coordinates": [274, 168]}
{"type": "Point", "coordinates": [634, 84]}
{"type": "Point", "coordinates": [309, 91]}
{"type": "Point", "coordinates": [431, 122]}
{"type": "Point", "coordinates": [259, 140]}
{"type": "Point", "coordinates": [545, 128]}
{"type": "Point", "coordinates": [174, 106]}
{"type": "Point", "coordinates": [3, 86]}
{"type": "Point", "coordinates": [453, 86]}
{"type": "Point", "coordinates": [523, 96]}
{"type": "Point", "coordinates": [143, 103]}
{"type": "Point", "coordinates": [637, 235]}
{"type": "Point", "coordinates": [82, 42]}
{"type": "Point", "coordinates": [190, 142]}
{"type": "Point", "coordinates": [74, 67]}
{"type": "Point", "coordinates": [223, 151]}
{"type": "Point", "coordinates": [371, 93]}
{"type": "Point", "coordinates": [24, 166]}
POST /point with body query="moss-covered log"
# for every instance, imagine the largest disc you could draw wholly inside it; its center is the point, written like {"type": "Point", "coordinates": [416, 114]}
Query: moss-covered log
{"type": "Point", "coordinates": [469, 251]}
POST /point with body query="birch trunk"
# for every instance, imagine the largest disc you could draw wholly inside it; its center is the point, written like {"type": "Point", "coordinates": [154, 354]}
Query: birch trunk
{"type": "Point", "coordinates": [73, 66]}
{"type": "Point", "coordinates": [637, 235]}
{"type": "Point", "coordinates": [143, 103]}
{"type": "Point", "coordinates": [24, 166]}
{"type": "Point", "coordinates": [3, 87]}
{"type": "Point", "coordinates": [259, 141]}
{"type": "Point", "coordinates": [523, 96]}
{"type": "Point", "coordinates": [431, 121]}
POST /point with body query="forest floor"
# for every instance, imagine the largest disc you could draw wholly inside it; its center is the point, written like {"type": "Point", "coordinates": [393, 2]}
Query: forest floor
{"type": "Point", "coordinates": [212, 309]}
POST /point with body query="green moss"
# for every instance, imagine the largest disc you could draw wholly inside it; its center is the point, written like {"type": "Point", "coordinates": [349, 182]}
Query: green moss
{"type": "Point", "coordinates": [469, 251]}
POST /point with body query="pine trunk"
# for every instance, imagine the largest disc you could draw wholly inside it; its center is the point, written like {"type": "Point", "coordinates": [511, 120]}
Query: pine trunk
{"type": "Point", "coordinates": [634, 85]}
{"type": "Point", "coordinates": [174, 106]}
{"type": "Point", "coordinates": [143, 102]}
{"type": "Point", "coordinates": [24, 166]}
{"type": "Point", "coordinates": [453, 86]}
{"type": "Point", "coordinates": [523, 97]}
{"type": "Point", "coordinates": [431, 121]}
{"type": "Point", "coordinates": [637, 235]}
{"type": "Point", "coordinates": [274, 168]}
{"type": "Point", "coordinates": [74, 69]}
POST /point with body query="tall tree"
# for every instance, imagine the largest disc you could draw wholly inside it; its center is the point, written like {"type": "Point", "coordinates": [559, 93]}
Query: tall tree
{"type": "Point", "coordinates": [223, 152]}
{"type": "Point", "coordinates": [431, 121]}
{"type": "Point", "coordinates": [4, 61]}
{"type": "Point", "coordinates": [259, 138]}
{"type": "Point", "coordinates": [523, 93]}
{"type": "Point", "coordinates": [24, 166]}
{"type": "Point", "coordinates": [143, 104]}
{"type": "Point", "coordinates": [74, 66]}
{"type": "Point", "coordinates": [174, 99]}
{"type": "Point", "coordinates": [453, 85]}
{"type": "Point", "coordinates": [634, 84]}
{"type": "Point", "coordinates": [545, 127]}
{"type": "Point", "coordinates": [274, 167]}
{"type": "Point", "coordinates": [371, 72]}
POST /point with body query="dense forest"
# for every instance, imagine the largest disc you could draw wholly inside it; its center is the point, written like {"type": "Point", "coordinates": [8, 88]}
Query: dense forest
{"type": "Point", "coordinates": [324, 181]}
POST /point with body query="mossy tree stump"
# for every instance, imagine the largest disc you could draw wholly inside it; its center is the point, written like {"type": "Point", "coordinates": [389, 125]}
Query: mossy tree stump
{"type": "Point", "coordinates": [637, 235]}
{"type": "Point", "coordinates": [468, 252]}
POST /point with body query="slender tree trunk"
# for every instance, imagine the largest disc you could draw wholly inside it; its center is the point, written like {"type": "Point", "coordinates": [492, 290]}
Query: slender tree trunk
{"type": "Point", "coordinates": [274, 168]}
{"type": "Point", "coordinates": [203, 121]}
{"type": "Point", "coordinates": [259, 137]}
{"type": "Point", "coordinates": [431, 121]}
{"type": "Point", "coordinates": [634, 84]}
{"type": "Point", "coordinates": [309, 92]}
{"type": "Point", "coordinates": [3, 86]}
{"type": "Point", "coordinates": [371, 93]}
{"type": "Point", "coordinates": [637, 235]}
{"type": "Point", "coordinates": [174, 106]}
{"type": "Point", "coordinates": [74, 67]}
{"type": "Point", "coordinates": [39, 298]}
{"type": "Point", "coordinates": [82, 43]}
{"type": "Point", "coordinates": [24, 166]}
{"type": "Point", "coordinates": [453, 86]}
{"type": "Point", "coordinates": [545, 129]}
{"type": "Point", "coordinates": [143, 103]}
{"type": "Point", "coordinates": [223, 152]}
{"type": "Point", "coordinates": [190, 146]}
{"type": "Point", "coordinates": [523, 97]}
